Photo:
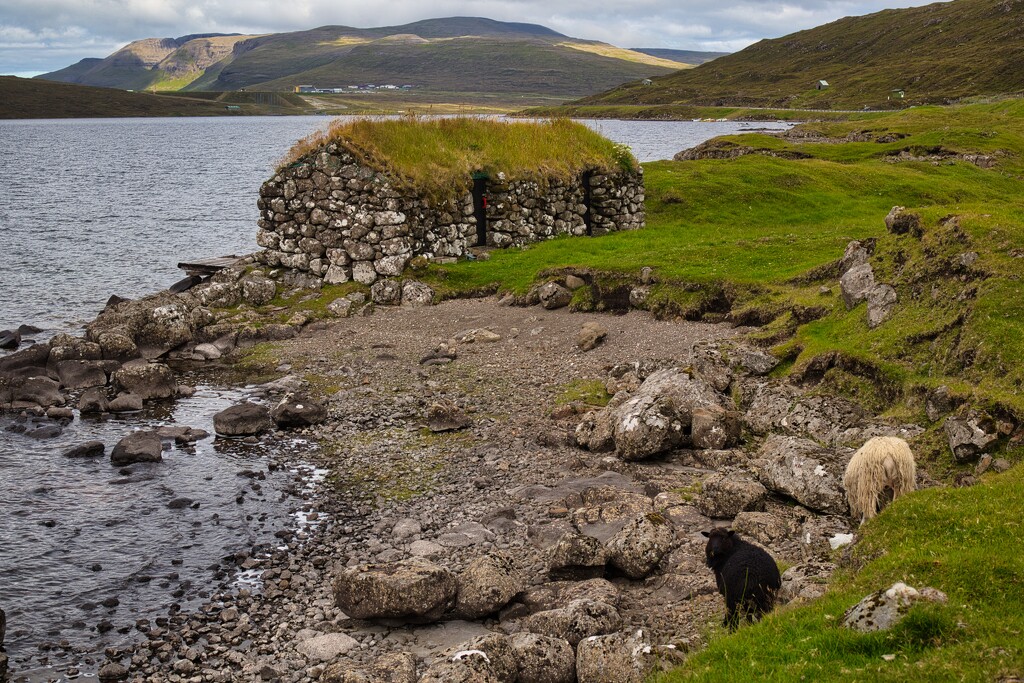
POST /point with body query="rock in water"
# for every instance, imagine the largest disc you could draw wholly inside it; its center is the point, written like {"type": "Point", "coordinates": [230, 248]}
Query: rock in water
{"type": "Point", "coordinates": [142, 446]}
{"type": "Point", "coordinates": [148, 380]}
{"type": "Point", "coordinates": [245, 419]}
{"type": "Point", "coordinates": [88, 449]}
{"type": "Point", "coordinates": [9, 339]}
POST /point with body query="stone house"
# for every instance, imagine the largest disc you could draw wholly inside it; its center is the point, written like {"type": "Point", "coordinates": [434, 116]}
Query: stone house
{"type": "Point", "coordinates": [337, 215]}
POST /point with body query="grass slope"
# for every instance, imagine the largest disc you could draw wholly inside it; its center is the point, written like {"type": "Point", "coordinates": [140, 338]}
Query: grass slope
{"type": "Point", "coordinates": [22, 98]}
{"type": "Point", "coordinates": [965, 542]}
{"type": "Point", "coordinates": [937, 53]}
{"type": "Point", "coordinates": [756, 237]}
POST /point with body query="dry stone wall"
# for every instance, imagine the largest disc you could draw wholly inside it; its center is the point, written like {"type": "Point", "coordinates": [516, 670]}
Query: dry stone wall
{"type": "Point", "coordinates": [334, 218]}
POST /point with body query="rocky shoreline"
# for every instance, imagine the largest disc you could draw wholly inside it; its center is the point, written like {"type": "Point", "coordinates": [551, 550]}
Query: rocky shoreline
{"type": "Point", "coordinates": [486, 516]}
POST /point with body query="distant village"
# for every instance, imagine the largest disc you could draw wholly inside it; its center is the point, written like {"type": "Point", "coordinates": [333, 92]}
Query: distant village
{"type": "Point", "coordinates": [336, 91]}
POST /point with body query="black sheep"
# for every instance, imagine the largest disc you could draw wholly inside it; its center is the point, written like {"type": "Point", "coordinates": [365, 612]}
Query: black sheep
{"type": "Point", "coordinates": [746, 575]}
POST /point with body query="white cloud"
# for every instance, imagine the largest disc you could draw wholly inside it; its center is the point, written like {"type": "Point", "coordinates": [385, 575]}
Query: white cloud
{"type": "Point", "coordinates": [50, 34]}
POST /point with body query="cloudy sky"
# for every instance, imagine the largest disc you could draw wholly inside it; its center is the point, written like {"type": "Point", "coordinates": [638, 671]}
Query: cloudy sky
{"type": "Point", "coordinates": [44, 35]}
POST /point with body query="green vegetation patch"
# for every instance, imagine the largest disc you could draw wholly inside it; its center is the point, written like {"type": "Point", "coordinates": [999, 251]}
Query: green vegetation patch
{"type": "Point", "coordinates": [965, 542]}
{"type": "Point", "coordinates": [435, 155]}
{"type": "Point", "coordinates": [590, 392]}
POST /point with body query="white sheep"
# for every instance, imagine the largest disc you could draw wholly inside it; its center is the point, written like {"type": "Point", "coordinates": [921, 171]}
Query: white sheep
{"type": "Point", "coordinates": [884, 462]}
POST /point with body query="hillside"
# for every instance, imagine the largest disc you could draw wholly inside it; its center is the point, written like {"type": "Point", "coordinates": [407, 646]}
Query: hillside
{"type": "Point", "coordinates": [684, 56]}
{"type": "Point", "coordinates": [23, 98]}
{"type": "Point", "coordinates": [152, 63]}
{"type": "Point", "coordinates": [459, 54]}
{"type": "Point", "coordinates": [936, 53]}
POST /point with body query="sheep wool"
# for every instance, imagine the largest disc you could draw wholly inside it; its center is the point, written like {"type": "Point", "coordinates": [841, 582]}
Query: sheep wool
{"type": "Point", "coordinates": [883, 465]}
{"type": "Point", "coordinates": [747, 576]}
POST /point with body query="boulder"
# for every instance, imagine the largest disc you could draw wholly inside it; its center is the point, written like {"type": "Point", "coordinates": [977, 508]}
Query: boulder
{"type": "Point", "coordinates": [148, 380]}
{"type": "Point", "coordinates": [244, 419]}
{"type": "Point", "coordinates": [639, 547]}
{"type": "Point", "coordinates": [596, 431]}
{"type": "Point", "coordinates": [553, 295]}
{"type": "Point", "coordinates": [89, 449]}
{"type": "Point", "coordinates": [714, 428]}
{"type": "Point", "coordinates": [590, 336]}
{"type": "Point", "coordinates": [487, 585]}
{"type": "Point", "coordinates": [614, 658]}
{"type": "Point", "coordinates": [416, 294]}
{"type": "Point", "coordinates": [258, 290]}
{"type": "Point", "coordinates": [65, 347]}
{"type": "Point", "coordinates": [579, 619]}
{"type": "Point", "coordinates": [804, 471]}
{"type": "Point", "coordinates": [883, 609]}
{"type": "Point", "coordinates": [297, 411]}
{"type": "Point", "coordinates": [445, 416]}
{"type": "Point", "coordinates": [970, 436]}
{"type": "Point", "coordinates": [576, 555]}
{"type": "Point", "coordinates": [881, 303]}
{"type": "Point", "coordinates": [81, 374]}
{"type": "Point", "coordinates": [855, 284]}
{"type": "Point", "coordinates": [10, 339]}
{"type": "Point", "coordinates": [467, 666]}
{"type": "Point", "coordinates": [207, 352]}
{"type": "Point", "coordinates": [899, 221]}
{"type": "Point", "coordinates": [805, 582]}
{"type": "Point", "coordinates": [491, 653]}
{"type": "Point", "coordinates": [396, 667]}
{"type": "Point", "coordinates": [41, 391]}
{"type": "Point", "coordinates": [543, 659]}
{"type": "Point", "coordinates": [34, 356]}
{"type": "Point", "coordinates": [856, 254]}
{"type": "Point", "coordinates": [725, 495]}
{"type": "Point", "coordinates": [386, 292]}
{"type": "Point", "coordinates": [125, 403]}
{"type": "Point", "coordinates": [414, 591]}
{"type": "Point", "coordinates": [659, 416]}
{"type": "Point", "coordinates": [93, 401]}
{"type": "Point", "coordinates": [112, 672]}
{"type": "Point", "coordinates": [326, 647]}
{"type": "Point", "coordinates": [141, 446]}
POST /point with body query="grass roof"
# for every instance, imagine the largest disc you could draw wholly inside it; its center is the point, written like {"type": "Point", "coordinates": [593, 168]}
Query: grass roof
{"type": "Point", "coordinates": [438, 155]}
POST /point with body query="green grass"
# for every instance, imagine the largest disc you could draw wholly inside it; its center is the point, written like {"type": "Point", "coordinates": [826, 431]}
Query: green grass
{"type": "Point", "coordinates": [589, 392]}
{"type": "Point", "coordinates": [755, 235]}
{"type": "Point", "coordinates": [965, 542]}
{"type": "Point", "coordinates": [435, 155]}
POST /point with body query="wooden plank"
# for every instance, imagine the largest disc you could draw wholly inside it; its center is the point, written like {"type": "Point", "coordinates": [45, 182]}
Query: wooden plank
{"type": "Point", "coordinates": [209, 266]}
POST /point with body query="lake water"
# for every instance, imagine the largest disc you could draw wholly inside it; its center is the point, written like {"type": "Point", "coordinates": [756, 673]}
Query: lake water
{"type": "Point", "coordinates": [99, 207]}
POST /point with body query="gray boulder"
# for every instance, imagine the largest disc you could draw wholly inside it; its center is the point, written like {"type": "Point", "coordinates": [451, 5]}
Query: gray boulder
{"type": "Point", "coordinates": [881, 303]}
{"type": "Point", "coordinates": [553, 295]}
{"type": "Point", "coordinates": [125, 403]}
{"type": "Point", "coordinates": [577, 555]}
{"type": "Point", "coordinates": [89, 449]}
{"type": "Point", "coordinates": [487, 585]}
{"type": "Point", "coordinates": [148, 380]}
{"type": "Point", "coordinates": [81, 374]}
{"type": "Point", "coordinates": [258, 290]}
{"type": "Point", "coordinates": [141, 446]}
{"type": "Point", "coordinates": [414, 591]}
{"type": "Point", "coordinates": [883, 609]}
{"type": "Point", "coordinates": [65, 347]}
{"type": "Point", "coordinates": [386, 292]}
{"type": "Point", "coordinates": [899, 221]}
{"type": "Point", "coordinates": [714, 428]}
{"type": "Point", "coordinates": [245, 419]}
{"type": "Point", "coordinates": [856, 254]}
{"type": "Point", "coordinates": [658, 417]}
{"type": "Point", "coordinates": [396, 667]}
{"type": "Point", "coordinates": [614, 658]}
{"type": "Point", "coordinates": [579, 619]}
{"type": "Point", "coordinates": [804, 471]}
{"type": "Point", "coordinates": [326, 647]}
{"type": "Point", "coordinates": [297, 412]}
{"type": "Point", "coordinates": [856, 283]}
{"type": "Point", "coordinates": [590, 335]}
{"type": "Point", "coordinates": [726, 495]}
{"type": "Point", "coordinates": [596, 431]}
{"type": "Point", "coordinates": [117, 346]}
{"type": "Point", "coordinates": [41, 391]}
{"type": "Point", "coordinates": [639, 547]}
{"type": "Point", "coordinates": [543, 659]}
{"type": "Point", "coordinates": [416, 294]}
{"type": "Point", "coordinates": [969, 436]}
{"type": "Point", "coordinates": [93, 401]}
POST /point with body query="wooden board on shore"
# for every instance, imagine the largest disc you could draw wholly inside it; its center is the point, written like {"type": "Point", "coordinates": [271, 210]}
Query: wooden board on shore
{"type": "Point", "coordinates": [209, 266]}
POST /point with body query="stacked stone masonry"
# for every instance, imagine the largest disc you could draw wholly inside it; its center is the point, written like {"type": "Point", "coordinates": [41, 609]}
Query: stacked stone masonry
{"type": "Point", "coordinates": [334, 218]}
